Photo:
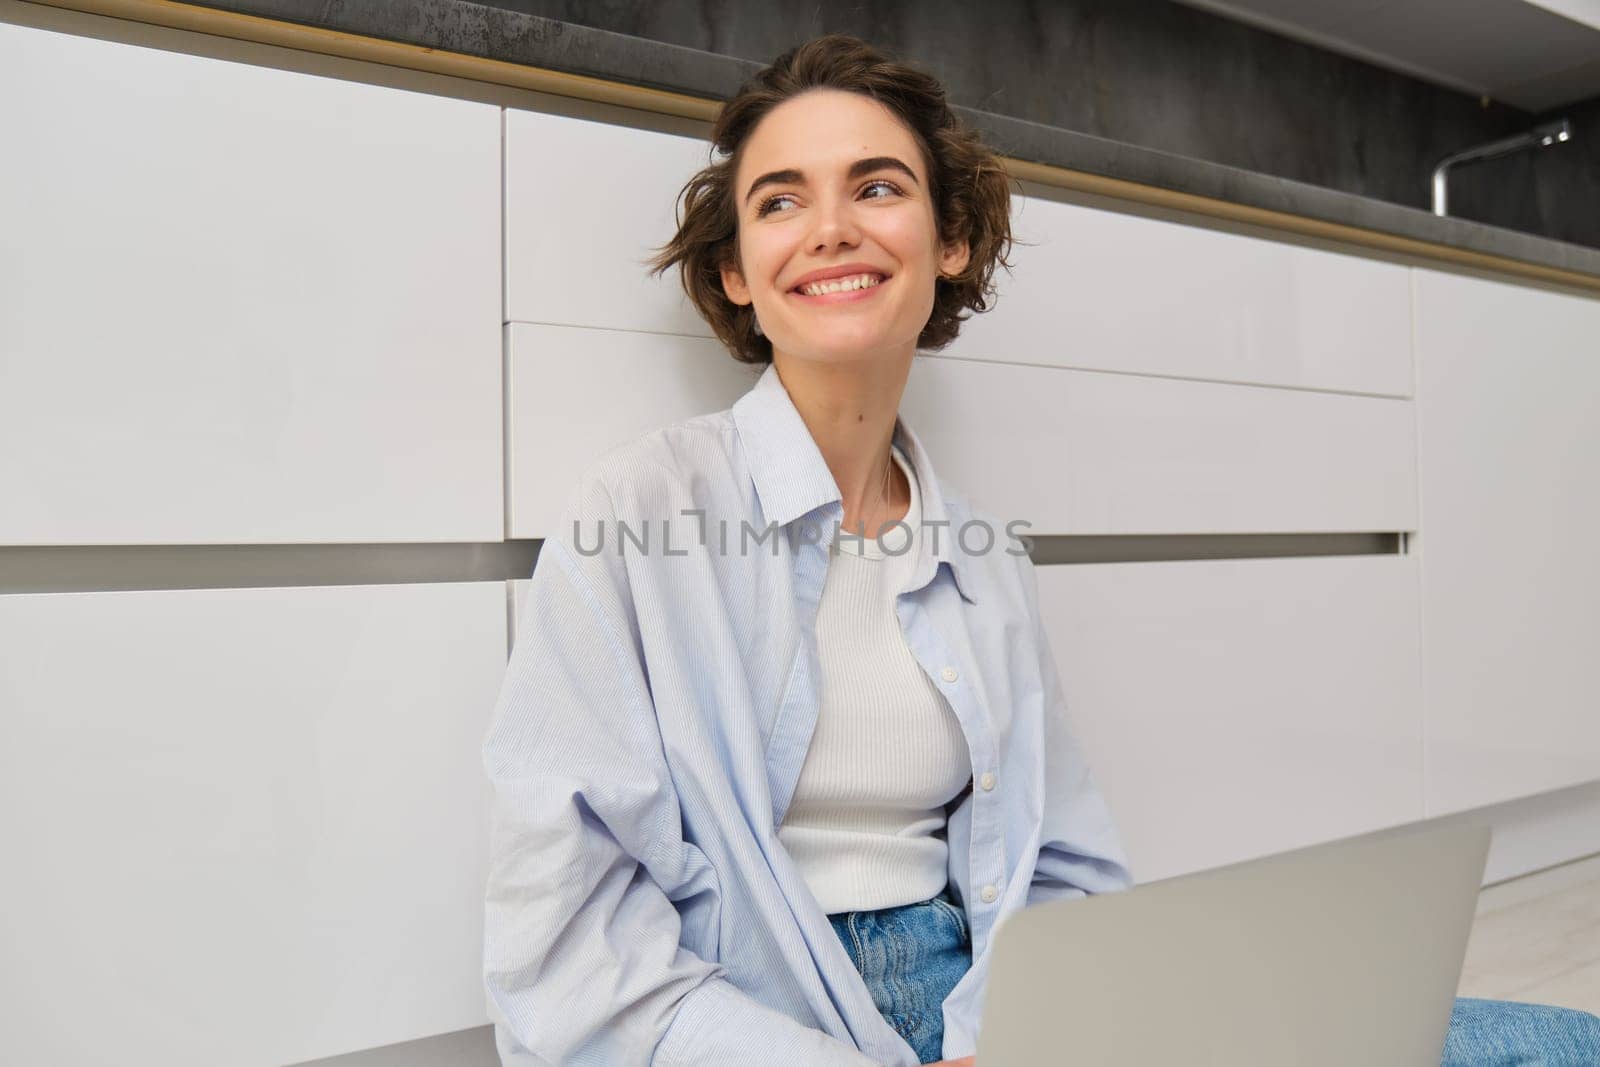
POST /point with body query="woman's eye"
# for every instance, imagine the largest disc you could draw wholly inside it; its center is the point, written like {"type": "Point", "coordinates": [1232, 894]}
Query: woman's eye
{"type": "Point", "coordinates": [767, 205]}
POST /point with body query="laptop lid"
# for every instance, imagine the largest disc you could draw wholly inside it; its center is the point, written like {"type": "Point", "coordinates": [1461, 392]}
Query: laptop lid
{"type": "Point", "coordinates": [1342, 953]}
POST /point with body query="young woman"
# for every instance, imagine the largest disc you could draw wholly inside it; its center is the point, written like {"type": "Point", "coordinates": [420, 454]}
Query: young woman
{"type": "Point", "coordinates": [782, 739]}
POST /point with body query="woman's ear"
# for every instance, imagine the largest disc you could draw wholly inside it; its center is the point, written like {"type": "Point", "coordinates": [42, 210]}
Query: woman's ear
{"type": "Point", "coordinates": [734, 286]}
{"type": "Point", "coordinates": [954, 258]}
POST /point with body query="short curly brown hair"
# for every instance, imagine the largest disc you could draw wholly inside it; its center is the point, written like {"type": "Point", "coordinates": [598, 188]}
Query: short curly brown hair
{"type": "Point", "coordinates": [969, 187]}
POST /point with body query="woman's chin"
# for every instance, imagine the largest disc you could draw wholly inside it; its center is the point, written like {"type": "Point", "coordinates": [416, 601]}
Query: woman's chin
{"type": "Point", "coordinates": [851, 346]}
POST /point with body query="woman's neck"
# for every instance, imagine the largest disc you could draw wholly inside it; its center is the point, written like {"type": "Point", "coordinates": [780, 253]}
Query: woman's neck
{"type": "Point", "coordinates": [850, 409]}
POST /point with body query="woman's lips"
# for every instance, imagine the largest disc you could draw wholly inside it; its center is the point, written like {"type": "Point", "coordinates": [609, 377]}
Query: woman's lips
{"type": "Point", "coordinates": [842, 297]}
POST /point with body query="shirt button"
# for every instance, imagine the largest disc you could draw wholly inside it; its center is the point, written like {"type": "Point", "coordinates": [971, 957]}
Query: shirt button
{"type": "Point", "coordinates": [990, 894]}
{"type": "Point", "coordinates": [987, 781]}
{"type": "Point", "coordinates": [948, 674]}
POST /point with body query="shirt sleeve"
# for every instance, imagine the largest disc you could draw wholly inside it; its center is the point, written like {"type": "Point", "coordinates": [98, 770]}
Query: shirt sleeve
{"type": "Point", "coordinates": [1080, 851]}
{"type": "Point", "coordinates": [582, 961]}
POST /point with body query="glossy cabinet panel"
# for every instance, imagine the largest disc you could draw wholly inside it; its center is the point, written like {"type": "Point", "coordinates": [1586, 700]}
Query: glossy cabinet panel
{"type": "Point", "coordinates": [1106, 290]}
{"type": "Point", "coordinates": [575, 393]}
{"type": "Point", "coordinates": [1235, 708]}
{"type": "Point", "coordinates": [586, 203]}
{"type": "Point", "coordinates": [1509, 458]}
{"type": "Point", "coordinates": [244, 826]}
{"type": "Point", "coordinates": [242, 304]}
{"type": "Point", "coordinates": [1080, 452]}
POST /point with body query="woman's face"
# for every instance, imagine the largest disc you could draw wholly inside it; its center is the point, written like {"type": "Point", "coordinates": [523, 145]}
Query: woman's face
{"type": "Point", "coordinates": [831, 179]}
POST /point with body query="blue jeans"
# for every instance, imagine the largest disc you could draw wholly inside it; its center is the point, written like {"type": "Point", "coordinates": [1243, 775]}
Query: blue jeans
{"type": "Point", "coordinates": [911, 957]}
{"type": "Point", "coordinates": [1503, 1033]}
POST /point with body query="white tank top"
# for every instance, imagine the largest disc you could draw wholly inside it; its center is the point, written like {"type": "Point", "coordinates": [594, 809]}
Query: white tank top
{"type": "Point", "coordinates": [866, 825]}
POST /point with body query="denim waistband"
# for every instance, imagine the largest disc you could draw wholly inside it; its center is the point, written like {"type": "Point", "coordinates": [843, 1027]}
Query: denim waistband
{"type": "Point", "coordinates": [910, 958]}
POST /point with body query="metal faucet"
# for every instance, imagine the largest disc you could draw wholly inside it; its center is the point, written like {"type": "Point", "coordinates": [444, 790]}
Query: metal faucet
{"type": "Point", "coordinates": [1538, 137]}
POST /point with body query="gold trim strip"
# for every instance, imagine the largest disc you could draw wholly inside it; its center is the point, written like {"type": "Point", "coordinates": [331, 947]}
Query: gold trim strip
{"type": "Point", "coordinates": [254, 28]}
{"type": "Point", "coordinates": [175, 15]}
{"type": "Point", "coordinates": [1122, 189]}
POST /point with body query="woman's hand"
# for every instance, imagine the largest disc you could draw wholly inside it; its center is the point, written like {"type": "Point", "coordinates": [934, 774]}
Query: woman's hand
{"type": "Point", "coordinates": [963, 1062]}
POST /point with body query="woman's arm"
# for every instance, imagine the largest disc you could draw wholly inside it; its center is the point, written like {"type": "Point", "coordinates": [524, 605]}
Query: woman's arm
{"type": "Point", "coordinates": [581, 956]}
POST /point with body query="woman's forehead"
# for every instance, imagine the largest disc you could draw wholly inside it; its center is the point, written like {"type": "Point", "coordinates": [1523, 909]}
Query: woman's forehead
{"type": "Point", "coordinates": [823, 132]}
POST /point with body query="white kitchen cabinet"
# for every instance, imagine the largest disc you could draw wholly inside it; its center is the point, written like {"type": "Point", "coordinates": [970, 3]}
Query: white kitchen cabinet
{"type": "Point", "coordinates": [1509, 476]}
{"type": "Point", "coordinates": [1106, 290]}
{"type": "Point", "coordinates": [1234, 708]}
{"type": "Point", "coordinates": [586, 204]}
{"type": "Point", "coordinates": [1081, 452]}
{"type": "Point", "coordinates": [1071, 452]}
{"type": "Point", "coordinates": [242, 304]}
{"type": "Point", "coordinates": [574, 393]}
{"type": "Point", "coordinates": [244, 825]}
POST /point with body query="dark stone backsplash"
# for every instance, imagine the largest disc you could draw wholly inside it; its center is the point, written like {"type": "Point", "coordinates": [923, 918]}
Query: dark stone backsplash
{"type": "Point", "coordinates": [1174, 78]}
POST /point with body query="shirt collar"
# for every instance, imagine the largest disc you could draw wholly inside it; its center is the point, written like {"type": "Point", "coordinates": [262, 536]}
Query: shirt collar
{"type": "Point", "coordinates": [792, 479]}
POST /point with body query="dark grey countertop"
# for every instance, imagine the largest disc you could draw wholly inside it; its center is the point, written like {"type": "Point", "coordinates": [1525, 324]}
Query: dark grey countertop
{"type": "Point", "coordinates": [497, 33]}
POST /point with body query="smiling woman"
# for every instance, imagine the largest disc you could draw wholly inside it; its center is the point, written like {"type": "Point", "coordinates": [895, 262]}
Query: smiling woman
{"type": "Point", "coordinates": [768, 807]}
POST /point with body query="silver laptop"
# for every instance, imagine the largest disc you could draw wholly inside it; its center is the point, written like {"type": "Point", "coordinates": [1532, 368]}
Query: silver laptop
{"type": "Point", "coordinates": [1335, 955]}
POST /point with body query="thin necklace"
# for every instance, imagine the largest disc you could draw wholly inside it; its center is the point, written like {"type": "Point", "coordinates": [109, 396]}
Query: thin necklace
{"type": "Point", "coordinates": [883, 496]}
{"type": "Point", "coordinates": [883, 492]}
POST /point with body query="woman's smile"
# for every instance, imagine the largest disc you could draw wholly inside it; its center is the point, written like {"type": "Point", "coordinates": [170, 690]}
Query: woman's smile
{"type": "Point", "coordinates": [841, 290]}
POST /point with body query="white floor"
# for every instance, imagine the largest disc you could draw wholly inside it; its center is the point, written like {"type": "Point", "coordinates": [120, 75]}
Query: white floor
{"type": "Point", "coordinates": [1537, 939]}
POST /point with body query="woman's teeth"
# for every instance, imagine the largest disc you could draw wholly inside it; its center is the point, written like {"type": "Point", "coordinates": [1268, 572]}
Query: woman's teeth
{"type": "Point", "coordinates": [842, 285]}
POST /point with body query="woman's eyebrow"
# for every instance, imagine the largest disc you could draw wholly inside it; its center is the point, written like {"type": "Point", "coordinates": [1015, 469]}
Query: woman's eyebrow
{"type": "Point", "coordinates": [857, 169]}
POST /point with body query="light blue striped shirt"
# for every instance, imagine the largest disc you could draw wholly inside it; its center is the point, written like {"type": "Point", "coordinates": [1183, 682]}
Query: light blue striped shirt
{"type": "Point", "coordinates": [654, 718]}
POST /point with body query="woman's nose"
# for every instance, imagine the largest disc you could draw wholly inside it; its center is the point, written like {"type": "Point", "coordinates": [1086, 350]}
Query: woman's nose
{"type": "Point", "coordinates": [835, 224]}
